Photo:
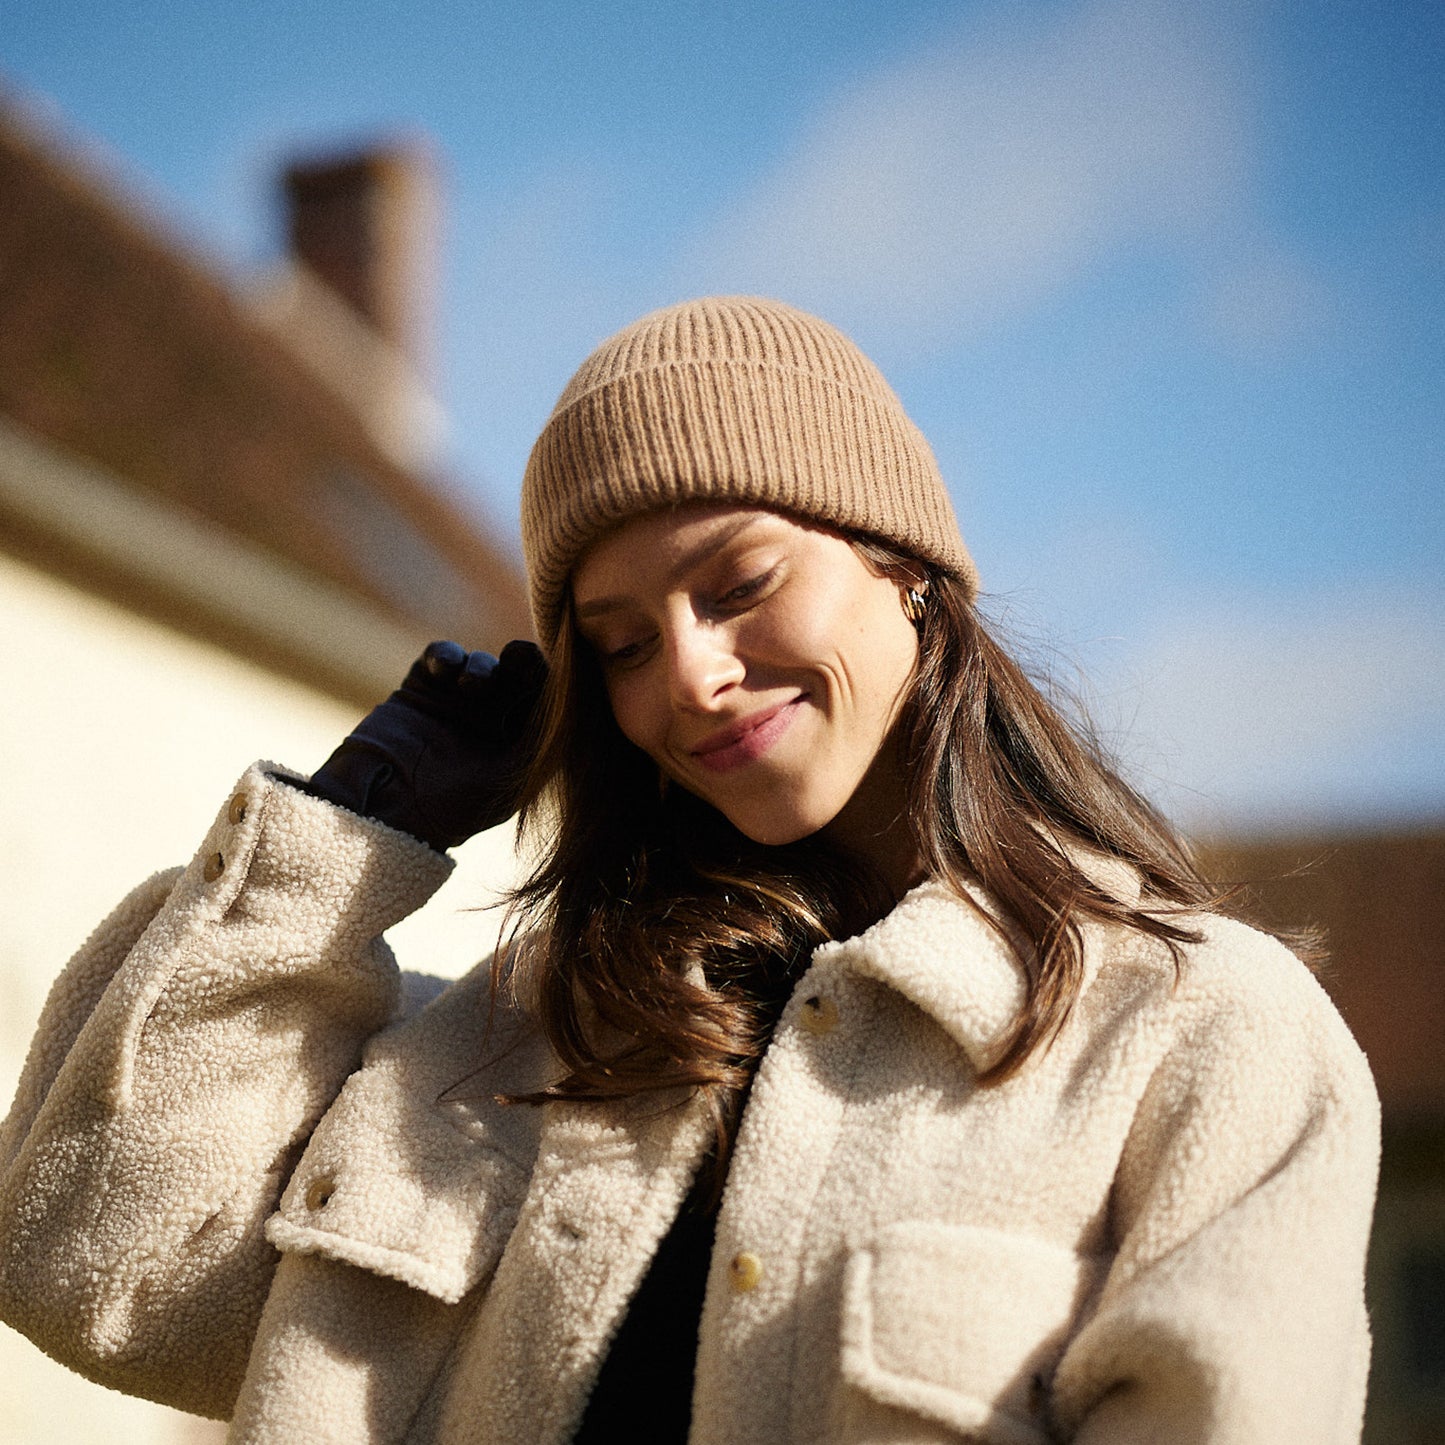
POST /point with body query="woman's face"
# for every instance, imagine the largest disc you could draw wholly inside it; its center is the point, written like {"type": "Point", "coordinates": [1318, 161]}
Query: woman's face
{"type": "Point", "coordinates": [759, 661]}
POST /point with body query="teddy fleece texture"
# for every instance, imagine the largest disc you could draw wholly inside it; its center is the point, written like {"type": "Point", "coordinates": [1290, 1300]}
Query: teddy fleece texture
{"type": "Point", "coordinates": [240, 1177]}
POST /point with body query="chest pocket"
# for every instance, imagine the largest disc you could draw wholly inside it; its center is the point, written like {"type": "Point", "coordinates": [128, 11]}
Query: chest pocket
{"type": "Point", "coordinates": [959, 1328]}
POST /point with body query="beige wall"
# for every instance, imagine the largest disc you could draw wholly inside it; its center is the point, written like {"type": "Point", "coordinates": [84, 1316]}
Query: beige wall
{"type": "Point", "coordinates": [119, 740]}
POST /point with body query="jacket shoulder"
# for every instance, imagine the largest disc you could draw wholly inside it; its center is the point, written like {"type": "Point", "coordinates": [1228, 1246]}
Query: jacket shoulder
{"type": "Point", "coordinates": [1233, 993]}
{"type": "Point", "coordinates": [1234, 964]}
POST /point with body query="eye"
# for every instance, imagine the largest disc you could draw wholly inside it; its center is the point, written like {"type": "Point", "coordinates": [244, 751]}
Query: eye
{"type": "Point", "coordinates": [745, 592]}
{"type": "Point", "coordinates": [623, 654]}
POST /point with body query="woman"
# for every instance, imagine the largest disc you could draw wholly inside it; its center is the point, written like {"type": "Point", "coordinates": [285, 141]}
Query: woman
{"type": "Point", "coordinates": [868, 1044]}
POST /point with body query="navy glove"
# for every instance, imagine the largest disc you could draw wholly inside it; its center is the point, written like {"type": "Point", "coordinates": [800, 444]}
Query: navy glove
{"type": "Point", "coordinates": [444, 756]}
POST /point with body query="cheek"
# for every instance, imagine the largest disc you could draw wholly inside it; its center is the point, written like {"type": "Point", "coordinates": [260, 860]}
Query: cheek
{"type": "Point", "coordinates": [821, 628]}
{"type": "Point", "coordinates": [633, 713]}
{"type": "Point", "coordinates": [881, 672]}
{"type": "Point", "coordinates": [870, 643]}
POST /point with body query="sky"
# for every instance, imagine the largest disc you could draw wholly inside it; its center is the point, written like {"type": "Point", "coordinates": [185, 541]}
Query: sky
{"type": "Point", "coordinates": [1163, 282]}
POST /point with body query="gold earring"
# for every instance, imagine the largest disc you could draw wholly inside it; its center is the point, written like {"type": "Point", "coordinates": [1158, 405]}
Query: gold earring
{"type": "Point", "coordinates": [914, 600]}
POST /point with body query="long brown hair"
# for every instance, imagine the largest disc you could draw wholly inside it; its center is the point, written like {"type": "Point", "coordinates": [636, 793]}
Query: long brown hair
{"type": "Point", "coordinates": [665, 941]}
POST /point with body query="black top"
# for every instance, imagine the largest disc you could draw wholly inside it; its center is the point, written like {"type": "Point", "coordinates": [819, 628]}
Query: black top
{"type": "Point", "coordinates": [645, 1389]}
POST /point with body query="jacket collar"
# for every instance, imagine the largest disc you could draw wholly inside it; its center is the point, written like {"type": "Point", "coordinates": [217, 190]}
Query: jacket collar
{"type": "Point", "coordinates": [943, 952]}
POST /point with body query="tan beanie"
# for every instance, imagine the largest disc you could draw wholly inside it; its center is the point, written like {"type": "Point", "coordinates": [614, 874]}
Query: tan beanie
{"type": "Point", "coordinates": [729, 399]}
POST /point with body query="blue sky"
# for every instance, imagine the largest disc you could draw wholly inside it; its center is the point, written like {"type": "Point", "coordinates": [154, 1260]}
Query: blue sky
{"type": "Point", "coordinates": [1162, 281]}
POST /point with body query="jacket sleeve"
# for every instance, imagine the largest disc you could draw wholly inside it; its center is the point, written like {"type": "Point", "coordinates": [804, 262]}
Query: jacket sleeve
{"type": "Point", "coordinates": [182, 1059]}
{"type": "Point", "coordinates": [1233, 1312]}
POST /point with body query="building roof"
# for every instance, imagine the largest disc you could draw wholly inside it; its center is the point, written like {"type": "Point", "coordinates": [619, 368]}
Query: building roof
{"type": "Point", "coordinates": [163, 445]}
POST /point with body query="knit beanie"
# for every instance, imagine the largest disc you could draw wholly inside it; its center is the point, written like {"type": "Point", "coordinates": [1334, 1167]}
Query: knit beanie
{"type": "Point", "coordinates": [729, 399]}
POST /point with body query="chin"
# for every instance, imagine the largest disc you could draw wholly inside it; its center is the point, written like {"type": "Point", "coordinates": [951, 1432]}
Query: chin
{"type": "Point", "coordinates": [773, 837]}
{"type": "Point", "coordinates": [771, 824]}
{"type": "Point", "coordinates": [775, 830]}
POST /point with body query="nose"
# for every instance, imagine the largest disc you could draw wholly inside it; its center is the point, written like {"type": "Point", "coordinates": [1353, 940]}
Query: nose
{"type": "Point", "coordinates": [703, 665]}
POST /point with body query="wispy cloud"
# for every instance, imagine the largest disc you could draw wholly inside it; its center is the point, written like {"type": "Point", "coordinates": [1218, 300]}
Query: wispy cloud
{"type": "Point", "coordinates": [974, 178]}
{"type": "Point", "coordinates": [1261, 712]}
{"type": "Point", "coordinates": [951, 188]}
{"type": "Point", "coordinates": [1263, 304]}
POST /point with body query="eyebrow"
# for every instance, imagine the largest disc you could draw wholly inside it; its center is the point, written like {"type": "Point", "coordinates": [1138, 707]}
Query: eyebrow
{"type": "Point", "coordinates": [707, 546]}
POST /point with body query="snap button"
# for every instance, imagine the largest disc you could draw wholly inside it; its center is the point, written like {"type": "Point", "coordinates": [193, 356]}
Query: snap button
{"type": "Point", "coordinates": [215, 866]}
{"type": "Point", "coordinates": [744, 1272]}
{"type": "Point", "coordinates": [819, 1015]}
{"type": "Point", "coordinates": [236, 811]}
{"type": "Point", "coordinates": [319, 1192]}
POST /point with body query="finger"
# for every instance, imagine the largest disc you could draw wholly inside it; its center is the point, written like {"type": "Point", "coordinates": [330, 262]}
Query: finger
{"type": "Point", "coordinates": [442, 660]}
{"type": "Point", "coordinates": [477, 668]}
{"type": "Point", "coordinates": [522, 668]}
{"type": "Point", "coordinates": [521, 676]}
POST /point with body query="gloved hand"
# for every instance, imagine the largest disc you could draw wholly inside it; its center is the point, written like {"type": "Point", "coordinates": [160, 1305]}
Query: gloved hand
{"type": "Point", "coordinates": [443, 757]}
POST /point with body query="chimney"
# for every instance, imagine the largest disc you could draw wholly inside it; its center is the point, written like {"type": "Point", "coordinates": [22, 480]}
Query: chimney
{"type": "Point", "coordinates": [365, 223]}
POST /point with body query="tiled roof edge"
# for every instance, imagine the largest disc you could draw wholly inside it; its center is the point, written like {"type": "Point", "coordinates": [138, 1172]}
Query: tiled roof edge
{"type": "Point", "coordinates": [339, 643]}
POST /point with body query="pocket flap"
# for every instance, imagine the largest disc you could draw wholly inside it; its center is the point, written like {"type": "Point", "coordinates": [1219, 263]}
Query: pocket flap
{"type": "Point", "coordinates": [963, 1325]}
{"type": "Point", "coordinates": [407, 1183]}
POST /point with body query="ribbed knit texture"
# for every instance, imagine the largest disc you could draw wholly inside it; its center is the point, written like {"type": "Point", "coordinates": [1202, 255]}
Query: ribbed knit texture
{"type": "Point", "coordinates": [729, 399]}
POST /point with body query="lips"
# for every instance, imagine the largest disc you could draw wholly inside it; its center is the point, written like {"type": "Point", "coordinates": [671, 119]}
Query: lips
{"type": "Point", "coordinates": [748, 739]}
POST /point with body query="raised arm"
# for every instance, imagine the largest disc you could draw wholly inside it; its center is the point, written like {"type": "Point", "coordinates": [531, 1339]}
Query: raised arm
{"type": "Point", "coordinates": [181, 1061]}
{"type": "Point", "coordinates": [189, 1049]}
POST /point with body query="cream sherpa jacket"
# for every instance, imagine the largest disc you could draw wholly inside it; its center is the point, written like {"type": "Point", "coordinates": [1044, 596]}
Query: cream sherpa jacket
{"type": "Point", "coordinates": [238, 1178]}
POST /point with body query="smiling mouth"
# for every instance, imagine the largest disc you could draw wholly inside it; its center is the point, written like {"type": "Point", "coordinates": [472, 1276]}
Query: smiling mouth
{"type": "Point", "coordinates": [746, 741]}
